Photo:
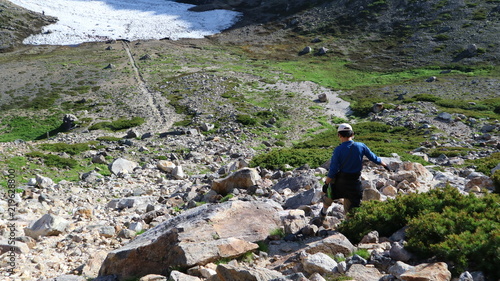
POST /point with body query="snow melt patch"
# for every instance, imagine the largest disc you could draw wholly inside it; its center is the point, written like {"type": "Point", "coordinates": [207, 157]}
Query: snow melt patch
{"type": "Point", "coordinates": [82, 21]}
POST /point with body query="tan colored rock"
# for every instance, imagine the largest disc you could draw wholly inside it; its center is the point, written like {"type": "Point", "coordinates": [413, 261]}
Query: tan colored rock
{"type": "Point", "coordinates": [243, 178]}
{"type": "Point", "coordinates": [390, 191]}
{"type": "Point", "coordinates": [91, 267]}
{"type": "Point", "coordinates": [360, 272]}
{"type": "Point", "coordinates": [227, 272]}
{"type": "Point", "coordinates": [233, 247]}
{"type": "Point", "coordinates": [428, 272]}
{"type": "Point", "coordinates": [481, 182]}
{"type": "Point", "coordinates": [409, 176]}
{"type": "Point", "coordinates": [371, 194]}
{"type": "Point", "coordinates": [333, 244]}
{"type": "Point", "coordinates": [166, 166]}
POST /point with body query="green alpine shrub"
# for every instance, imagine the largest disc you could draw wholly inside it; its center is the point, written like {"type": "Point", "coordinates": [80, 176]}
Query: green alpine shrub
{"type": "Point", "coordinates": [462, 230]}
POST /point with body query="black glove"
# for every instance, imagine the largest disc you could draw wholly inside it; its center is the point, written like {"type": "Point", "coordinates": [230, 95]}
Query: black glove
{"type": "Point", "coordinates": [325, 188]}
{"type": "Point", "coordinates": [387, 168]}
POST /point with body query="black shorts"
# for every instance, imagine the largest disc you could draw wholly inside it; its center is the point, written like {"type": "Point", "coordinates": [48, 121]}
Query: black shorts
{"type": "Point", "coordinates": [349, 186]}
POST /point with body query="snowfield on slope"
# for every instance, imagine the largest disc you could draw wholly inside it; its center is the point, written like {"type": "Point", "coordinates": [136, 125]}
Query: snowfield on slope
{"type": "Point", "coordinates": [82, 21]}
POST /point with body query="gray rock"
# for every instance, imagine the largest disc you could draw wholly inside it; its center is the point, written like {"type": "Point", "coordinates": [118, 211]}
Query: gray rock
{"type": "Point", "coordinates": [69, 122]}
{"type": "Point", "coordinates": [179, 276]}
{"type": "Point", "coordinates": [91, 177]}
{"type": "Point", "coordinates": [445, 116]}
{"type": "Point", "coordinates": [320, 263]}
{"type": "Point", "coordinates": [99, 159]}
{"type": "Point", "coordinates": [130, 202]}
{"type": "Point", "coordinates": [295, 183]}
{"type": "Point", "coordinates": [122, 166]}
{"type": "Point", "coordinates": [301, 199]}
{"type": "Point", "coordinates": [371, 237]}
{"type": "Point", "coordinates": [399, 253]}
{"type": "Point", "coordinates": [432, 271]}
{"type": "Point", "coordinates": [43, 182]}
{"type": "Point", "coordinates": [47, 225]}
{"type": "Point", "coordinates": [399, 268]}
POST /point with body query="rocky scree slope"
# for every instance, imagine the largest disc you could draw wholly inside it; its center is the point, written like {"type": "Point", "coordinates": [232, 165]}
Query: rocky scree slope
{"type": "Point", "coordinates": [91, 229]}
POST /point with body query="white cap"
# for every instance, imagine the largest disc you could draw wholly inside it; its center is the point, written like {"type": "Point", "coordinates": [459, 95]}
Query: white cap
{"type": "Point", "coordinates": [344, 127]}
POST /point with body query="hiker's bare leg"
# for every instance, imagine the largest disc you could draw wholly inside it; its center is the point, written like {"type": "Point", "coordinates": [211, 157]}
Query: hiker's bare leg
{"type": "Point", "coordinates": [347, 205]}
{"type": "Point", "coordinates": [327, 202]}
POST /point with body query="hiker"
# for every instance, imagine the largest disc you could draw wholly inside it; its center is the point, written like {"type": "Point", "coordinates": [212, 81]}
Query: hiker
{"type": "Point", "coordinates": [345, 167]}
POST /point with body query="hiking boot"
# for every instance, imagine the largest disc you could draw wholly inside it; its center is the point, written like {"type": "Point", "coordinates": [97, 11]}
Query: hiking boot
{"type": "Point", "coordinates": [318, 221]}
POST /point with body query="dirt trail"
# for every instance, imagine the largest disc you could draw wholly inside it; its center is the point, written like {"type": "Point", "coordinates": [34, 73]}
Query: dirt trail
{"type": "Point", "coordinates": [160, 117]}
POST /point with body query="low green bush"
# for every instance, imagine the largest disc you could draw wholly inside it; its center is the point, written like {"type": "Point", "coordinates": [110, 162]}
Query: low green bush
{"type": "Point", "coordinates": [108, 138]}
{"type": "Point", "coordinates": [52, 160]}
{"type": "Point", "coordinates": [448, 151]}
{"type": "Point", "coordinates": [496, 181]}
{"type": "Point", "coordinates": [444, 224]}
{"type": "Point", "coordinates": [27, 128]}
{"type": "Point", "coordinates": [426, 97]}
{"type": "Point", "coordinates": [72, 149]}
{"type": "Point", "coordinates": [246, 120]}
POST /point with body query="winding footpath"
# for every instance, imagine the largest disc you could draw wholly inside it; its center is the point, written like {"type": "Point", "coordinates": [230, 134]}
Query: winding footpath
{"type": "Point", "coordinates": [160, 117]}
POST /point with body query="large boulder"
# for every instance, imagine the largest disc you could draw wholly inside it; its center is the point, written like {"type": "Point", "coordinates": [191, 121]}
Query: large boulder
{"type": "Point", "coordinates": [196, 237]}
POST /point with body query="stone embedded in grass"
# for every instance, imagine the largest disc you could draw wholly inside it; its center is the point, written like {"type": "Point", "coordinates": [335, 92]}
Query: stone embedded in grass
{"type": "Point", "coordinates": [122, 166]}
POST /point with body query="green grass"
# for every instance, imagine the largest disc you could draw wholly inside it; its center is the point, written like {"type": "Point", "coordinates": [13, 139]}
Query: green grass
{"type": "Point", "coordinates": [337, 74]}
{"type": "Point", "coordinates": [51, 160]}
{"type": "Point", "coordinates": [50, 165]}
{"type": "Point", "coordinates": [277, 232]}
{"type": "Point", "coordinates": [72, 149]}
{"type": "Point", "coordinates": [27, 128]}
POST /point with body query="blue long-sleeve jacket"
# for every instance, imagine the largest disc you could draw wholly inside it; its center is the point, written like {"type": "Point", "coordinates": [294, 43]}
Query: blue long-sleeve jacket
{"type": "Point", "coordinates": [351, 161]}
